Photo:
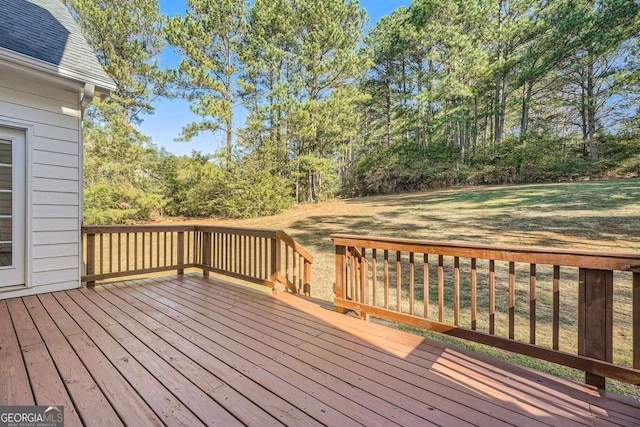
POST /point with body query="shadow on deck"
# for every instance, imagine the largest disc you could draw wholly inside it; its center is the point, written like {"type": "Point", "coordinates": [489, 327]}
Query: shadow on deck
{"type": "Point", "coordinates": [191, 350]}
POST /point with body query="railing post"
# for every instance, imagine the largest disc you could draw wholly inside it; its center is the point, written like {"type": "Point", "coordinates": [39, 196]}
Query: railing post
{"type": "Point", "coordinates": [91, 257]}
{"type": "Point", "coordinates": [340, 284]}
{"type": "Point", "coordinates": [307, 278]}
{"type": "Point", "coordinates": [636, 320]}
{"type": "Point", "coordinates": [206, 252]}
{"type": "Point", "coordinates": [275, 262]}
{"type": "Point", "coordinates": [595, 319]}
{"type": "Point", "coordinates": [180, 251]}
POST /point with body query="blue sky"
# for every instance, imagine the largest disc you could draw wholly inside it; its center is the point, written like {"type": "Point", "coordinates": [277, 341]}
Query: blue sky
{"type": "Point", "coordinates": [171, 115]}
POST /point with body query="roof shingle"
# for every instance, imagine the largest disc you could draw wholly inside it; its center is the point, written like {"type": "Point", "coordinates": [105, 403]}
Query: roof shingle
{"type": "Point", "coordinates": [45, 30]}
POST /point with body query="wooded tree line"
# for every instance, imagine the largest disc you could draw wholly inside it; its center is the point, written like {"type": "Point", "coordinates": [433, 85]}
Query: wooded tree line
{"type": "Point", "coordinates": [441, 93]}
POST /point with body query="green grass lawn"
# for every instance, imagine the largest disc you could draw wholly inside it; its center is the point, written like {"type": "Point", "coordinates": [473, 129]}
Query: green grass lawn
{"type": "Point", "coordinates": [599, 215]}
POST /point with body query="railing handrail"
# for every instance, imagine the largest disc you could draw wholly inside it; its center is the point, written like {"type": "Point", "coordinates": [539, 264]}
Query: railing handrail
{"type": "Point", "coordinates": [294, 245]}
{"type": "Point", "coordinates": [250, 259]}
{"type": "Point", "coordinates": [355, 286]}
{"type": "Point", "coordinates": [97, 229]}
{"type": "Point", "coordinates": [621, 261]}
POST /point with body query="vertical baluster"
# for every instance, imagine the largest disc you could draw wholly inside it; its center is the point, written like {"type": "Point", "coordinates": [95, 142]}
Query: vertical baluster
{"type": "Point", "coordinates": [440, 288]}
{"type": "Point", "coordinates": [248, 253]}
{"type": "Point", "coordinates": [412, 276]}
{"type": "Point", "coordinates": [135, 251]}
{"type": "Point", "coordinates": [425, 285]}
{"type": "Point", "coordinates": [151, 246]}
{"type": "Point", "coordinates": [260, 275]}
{"type": "Point", "coordinates": [341, 277]}
{"type": "Point", "coordinates": [556, 307]}
{"type": "Point", "coordinates": [206, 253]}
{"type": "Point", "coordinates": [236, 252]}
{"type": "Point", "coordinates": [227, 251]}
{"type": "Point", "coordinates": [474, 294]}
{"type": "Point", "coordinates": [398, 281]}
{"type": "Point", "coordinates": [286, 264]}
{"type": "Point", "coordinates": [532, 304]}
{"type": "Point", "coordinates": [166, 244]}
{"type": "Point", "coordinates": [127, 251]}
{"type": "Point", "coordinates": [303, 265]}
{"type": "Point", "coordinates": [255, 257]}
{"type": "Point", "coordinates": [158, 257]}
{"type": "Point", "coordinates": [246, 262]}
{"type": "Point", "coordinates": [240, 252]}
{"type": "Point", "coordinates": [296, 283]}
{"type": "Point", "coordinates": [256, 270]}
{"type": "Point", "coordinates": [197, 242]}
{"type": "Point", "coordinates": [232, 239]}
{"type": "Point", "coordinates": [216, 239]}
{"type": "Point", "coordinates": [512, 299]}
{"type": "Point", "coordinates": [110, 252]}
{"type": "Point", "coordinates": [456, 291]}
{"type": "Point", "coordinates": [180, 251]}
{"type": "Point", "coordinates": [492, 297]}
{"type": "Point", "coordinates": [91, 258]}
{"type": "Point", "coordinates": [188, 248]}
{"type": "Point", "coordinates": [636, 320]}
{"type": "Point", "coordinates": [119, 251]}
{"type": "Point", "coordinates": [223, 250]}
{"type": "Point", "coordinates": [219, 250]}
{"type": "Point", "coordinates": [352, 276]}
{"type": "Point", "coordinates": [230, 260]}
{"type": "Point", "coordinates": [374, 276]}
{"type": "Point", "coordinates": [101, 252]}
{"type": "Point", "coordinates": [307, 278]}
{"type": "Point", "coordinates": [246, 257]}
{"type": "Point", "coordinates": [241, 259]}
{"type": "Point", "coordinates": [386, 279]}
{"type": "Point", "coordinates": [174, 255]}
{"type": "Point", "coordinates": [364, 279]}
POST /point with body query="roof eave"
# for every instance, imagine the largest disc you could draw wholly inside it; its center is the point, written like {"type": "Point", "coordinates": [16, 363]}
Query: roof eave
{"type": "Point", "coordinates": [73, 79]}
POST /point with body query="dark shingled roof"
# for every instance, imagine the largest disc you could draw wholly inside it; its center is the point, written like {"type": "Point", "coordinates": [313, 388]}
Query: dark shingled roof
{"type": "Point", "coordinates": [45, 30]}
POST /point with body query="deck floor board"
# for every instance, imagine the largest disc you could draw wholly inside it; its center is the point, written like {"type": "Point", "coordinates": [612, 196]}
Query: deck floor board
{"type": "Point", "coordinates": [190, 350]}
{"type": "Point", "coordinates": [498, 387]}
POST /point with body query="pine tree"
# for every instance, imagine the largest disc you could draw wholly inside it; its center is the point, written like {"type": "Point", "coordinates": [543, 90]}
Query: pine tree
{"type": "Point", "coordinates": [209, 37]}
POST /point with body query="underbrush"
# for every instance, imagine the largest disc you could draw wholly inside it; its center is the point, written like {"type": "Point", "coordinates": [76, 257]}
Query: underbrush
{"type": "Point", "coordinates": [407, 166]}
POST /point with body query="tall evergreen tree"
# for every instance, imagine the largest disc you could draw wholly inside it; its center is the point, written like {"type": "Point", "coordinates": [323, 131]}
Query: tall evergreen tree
{"type": "Point", "coordinates": [327, 63]}
{"type": "Point", "coordinates": [127, 38]}
{"type": "Point", "coordinates": [209, 37]}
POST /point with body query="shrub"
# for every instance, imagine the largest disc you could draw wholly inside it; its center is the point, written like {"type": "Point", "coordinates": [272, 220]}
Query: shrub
{"type": "Point", "coordinates": [107, 203]}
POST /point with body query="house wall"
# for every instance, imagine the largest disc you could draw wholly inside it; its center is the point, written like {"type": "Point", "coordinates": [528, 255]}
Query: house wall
{"type": "Point", "coordinates": [54, 205]}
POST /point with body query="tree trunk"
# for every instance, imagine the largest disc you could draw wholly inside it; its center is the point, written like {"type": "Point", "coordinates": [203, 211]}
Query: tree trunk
{"type": "Point", "coordinates": [503, 106]}
{"type": "Point", "coordinates": [591, 112]}
{"type": "Point", "coordinates": [388, 112]}
{"type": "Point", "coordinates": [497, 134]}
{"type": "Point", "coordinates": [498, 120]}
{"type": "Point", "coordinates": [526, 100]}
{"type": "Point", "coordinates": [228, 96]}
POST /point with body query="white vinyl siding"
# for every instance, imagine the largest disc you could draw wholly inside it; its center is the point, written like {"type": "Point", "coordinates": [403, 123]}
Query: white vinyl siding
{"type": "Point", "coordinates": [54, 115]}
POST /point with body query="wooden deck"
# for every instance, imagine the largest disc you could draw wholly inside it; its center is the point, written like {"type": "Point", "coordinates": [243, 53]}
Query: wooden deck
{"type": "Point", "coordinates": [191, 350]}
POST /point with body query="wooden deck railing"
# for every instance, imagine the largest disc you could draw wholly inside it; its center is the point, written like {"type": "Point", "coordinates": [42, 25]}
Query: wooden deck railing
{"type": "Point", "coordinates": [266, 257]}
{"type": "Point", "coordinates": [561, 306]}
